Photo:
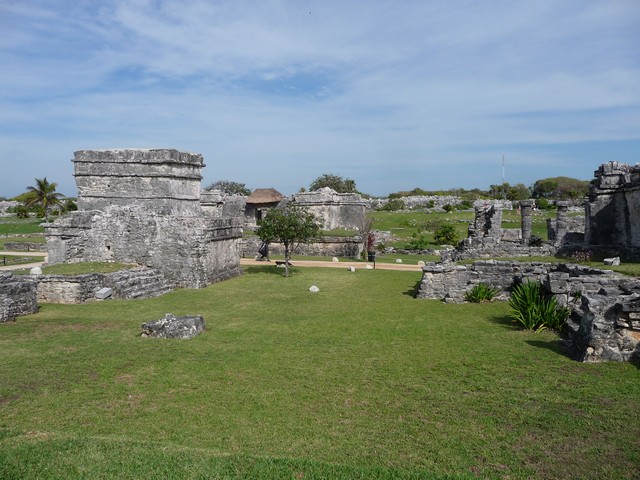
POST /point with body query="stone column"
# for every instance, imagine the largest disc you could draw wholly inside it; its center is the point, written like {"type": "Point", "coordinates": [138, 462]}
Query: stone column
{"type": "Point", "coordinates": [526, 208]}
{"type": "Point", "coordinates": [562, 220]}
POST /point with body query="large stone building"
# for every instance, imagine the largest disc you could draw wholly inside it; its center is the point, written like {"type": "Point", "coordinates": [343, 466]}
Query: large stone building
{"type": "Point", "coordinates": [333, 210]}
{"type": "Point", "coordinates": [613, 209]}
{"type": "Point", "coordinates": [143, 206]}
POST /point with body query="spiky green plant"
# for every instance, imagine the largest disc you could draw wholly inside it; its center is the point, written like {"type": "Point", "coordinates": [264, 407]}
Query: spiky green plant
{"type": "Point", "coordinates": [531, 308]}
{"type": "Point", "coordinates": [480, 293]}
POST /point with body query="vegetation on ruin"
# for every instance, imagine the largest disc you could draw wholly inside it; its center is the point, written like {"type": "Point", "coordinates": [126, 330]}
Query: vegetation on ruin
{"type": "Point", "coordinates": [534, 309]}
{"type": "Point", "coordinates": [229, 187]}
{"type": "Point", "coordinates": [335, 182]}
{"type": "Point", "coordinates": [481, 293]}
{"type": "Point", "coordinates": [286, 384]}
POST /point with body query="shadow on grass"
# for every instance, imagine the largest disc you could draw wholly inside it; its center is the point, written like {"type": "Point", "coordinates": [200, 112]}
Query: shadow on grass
{"type": "Point", "coordinates": [505, 321]}
{"type": "Point", "coordinates": [553, 345]}
{"type": "Point", "coordinates": [413, 291]}
{"type": "Point", "coordinates": [269, 268]}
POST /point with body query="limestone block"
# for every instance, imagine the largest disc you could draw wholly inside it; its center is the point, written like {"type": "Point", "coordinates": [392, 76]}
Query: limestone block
{"type": "Point", "coordinates": [314, 289]}
{"type": "Point", "coordinates": [171, 326]}
{"type": "Point", "coordinates": [104, 293]}
{"type": "Point", "coordinates": [612, 261]}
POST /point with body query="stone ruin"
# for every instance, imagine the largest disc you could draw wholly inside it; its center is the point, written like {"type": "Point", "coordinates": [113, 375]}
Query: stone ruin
{"type": "Point", "coordinates": [613, 211]}
{"type": "Point", "coordinates": [17, 297]}
{"type": "Point", "coordinates": [605, 322]}
{"type": "Point", "coordinates": [332, 209]}
{"type": "Point", "coordinates": [143, 206]}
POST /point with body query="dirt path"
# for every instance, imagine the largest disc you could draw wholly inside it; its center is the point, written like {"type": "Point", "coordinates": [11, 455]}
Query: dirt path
{"type": "Point", "coordinates": [243, 261]}
{"type": "Point", "coordinates": [8, 268]}
{"type": "Point", "coordinates": [341, 264]}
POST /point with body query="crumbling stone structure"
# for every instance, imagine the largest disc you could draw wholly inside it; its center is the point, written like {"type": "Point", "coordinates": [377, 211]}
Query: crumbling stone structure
{"type": "Point", "coordinates": [327, 246]}
{"type": "Point", "coordinates": [215, 203]}
{"type": "Point", "coordinates": [17, 297]}
{"type": "Point", "coordinates": [333, 210]}
{"type": "Point", "coordinates": [566, 232]}
{"type": "Point", "coordinates": [613, 210]}
{"type": "Point", "coordinates": [143, 206]}
{"type": "Point", "coordinates": [258, 203]}
{"type": "Point", "coordinates": [605, 323]}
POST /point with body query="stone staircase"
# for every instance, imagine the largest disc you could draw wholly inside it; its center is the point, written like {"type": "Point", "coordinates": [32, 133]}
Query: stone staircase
{"type": "Point", "coordinates": [138, 283]}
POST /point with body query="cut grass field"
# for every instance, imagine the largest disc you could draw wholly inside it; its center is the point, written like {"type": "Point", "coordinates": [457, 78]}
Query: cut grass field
{"type": "Point", "coordinates": [9, 260]}
{"type": "Point", "coordinates": [402, 224]}
{"type": "Point", "coordinates": [360, 380]}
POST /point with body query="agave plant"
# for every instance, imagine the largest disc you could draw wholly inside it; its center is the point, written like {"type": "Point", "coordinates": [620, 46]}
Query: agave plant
{"type": "Point", "coordinates": [531, 308]}
{"type": "Point", "coordinates": [481, 292]}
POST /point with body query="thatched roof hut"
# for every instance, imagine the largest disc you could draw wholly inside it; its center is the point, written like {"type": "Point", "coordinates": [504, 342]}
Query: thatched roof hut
{"type": "Point", "coordinates": [262, 196]}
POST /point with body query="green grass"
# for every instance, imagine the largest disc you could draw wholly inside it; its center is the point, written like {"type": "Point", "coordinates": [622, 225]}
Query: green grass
{"type": "Point", "coordinates": [8, 259]}
{"type": "Point", "coordinates": [400, 223]}
{"type": "Point", "coordinates": [13, 225]}
{"type": "Point", "coordinates": [360, 380]}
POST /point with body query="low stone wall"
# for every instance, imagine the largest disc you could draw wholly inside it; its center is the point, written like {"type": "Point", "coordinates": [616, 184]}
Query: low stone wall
{"type": "Point", "coordinates": [17, 297]}
{"type": "Point", "coordinates": [126, 284]}
{"type": "Point", "coordinates": [25, 247]}
{"type": "Point", "coordinates": [326, 246]}
{"type": "Point", "coordinates": [489, 247]}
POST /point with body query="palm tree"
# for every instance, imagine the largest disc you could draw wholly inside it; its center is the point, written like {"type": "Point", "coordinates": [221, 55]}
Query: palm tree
{"type": "Point", "coordinates": [43, 194]}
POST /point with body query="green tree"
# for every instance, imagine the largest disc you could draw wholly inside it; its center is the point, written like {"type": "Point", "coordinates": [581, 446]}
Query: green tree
{"type": "Point", "coordinates": [43, 195]}
{"type": "Point", "coordinates": [560, 188]}
{"type": "Point", "coordinates": [335, 182]}
{"type": "Point", "coordinates": [291, 226]}
{"type": "Point", "coordinates": [230, 188]}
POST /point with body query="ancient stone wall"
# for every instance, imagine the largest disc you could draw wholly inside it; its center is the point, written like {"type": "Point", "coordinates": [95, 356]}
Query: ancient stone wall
{"type": "Point", "coordinates": [613, 209]}
{"type": "Point", "coordinates": [333, 210]}
{"type": "Point", "coordinates": [325, 246]}
{"type": "Point", "coordinates": [25, 247]}
{"type": "Point", "coordinates": [125, 284]}
{"type": "Point", "coordinates": [144, 207]}
{"type": "Point", "coordinates": [605, 323]}
{"type": "Point", "coordinates": [215, 203]}
{"type": "Point", "coordinates": [17, 297]}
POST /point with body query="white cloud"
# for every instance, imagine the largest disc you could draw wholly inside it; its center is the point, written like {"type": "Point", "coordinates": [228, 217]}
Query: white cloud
{"type": "Point", "coordinates": [281, 91]}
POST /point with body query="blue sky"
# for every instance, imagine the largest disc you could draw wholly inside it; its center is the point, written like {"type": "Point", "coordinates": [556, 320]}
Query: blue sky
{"type": "Point", "coordinates": [274, 93]}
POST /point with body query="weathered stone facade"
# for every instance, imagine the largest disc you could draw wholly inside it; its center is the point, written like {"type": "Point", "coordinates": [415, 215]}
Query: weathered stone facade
{"type": "Point", "coordinates": [17, 297]}
{"type": "Point", "coordinates": [215, 203]}
{"type": "Point", "coordinates": [333, 210]}
{"type": "Point", "coordinates": [143, 206]}
{"type": "Point", "coordinates": [325, 246]}
{"type": "Point", "coordinates": [25, 247]}
{"type": "Point", "coordinates": [125, 284]}
{"type": "Point", "coordinates": [613, 210]}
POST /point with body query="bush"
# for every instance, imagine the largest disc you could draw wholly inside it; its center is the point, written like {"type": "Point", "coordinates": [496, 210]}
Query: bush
{"type": "Point", "coordinates": [448, 208]}
{"type": "Point", "coordinates": [532, 309]}
{"type": "Point", "coordinates": [419, 241]}
{"type": "Point", "coordinates": [535, 241]}
{"type": "Point", "coordinates": [446, 234]}
{"type": "Point", "coordinates": [21, 211]}
{"type": "Point", "coordinates": [481, 293]}
{"type": "Point", "coordinates": [580, 256]}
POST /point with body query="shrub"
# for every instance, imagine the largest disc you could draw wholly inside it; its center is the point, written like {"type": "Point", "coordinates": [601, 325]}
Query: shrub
{"type": "Point", "coordinates": [580, 256]}
{"type": "Point", "coordinates": [448, 208]}
{"type": "Point", "coordinates": [535, 241]}
{"type": "Point", "coordinates": [419, 241]}
{"type": "Point", "coordinates": [531, 308]}
{"type": "Point", "coordinates": [481, 293]}
{"type": "Point", "coordinates": [21, 211]}
{"type": "Point", "coordinates": [446, 234]}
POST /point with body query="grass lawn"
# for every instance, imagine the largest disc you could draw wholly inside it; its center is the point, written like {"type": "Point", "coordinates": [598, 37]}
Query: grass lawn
{"type": "Point", "coordinates": [360, 380]}
{"type": "Point", "coordinates": [8, 259]}
{"type": "Point", "coordinates": [403, 224]}
{"type": "Point", "coordinates": [13, 225]}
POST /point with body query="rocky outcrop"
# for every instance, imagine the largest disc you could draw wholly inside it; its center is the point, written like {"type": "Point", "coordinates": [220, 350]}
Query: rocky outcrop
{"type": "Point", "coordinates": [171, 326]}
